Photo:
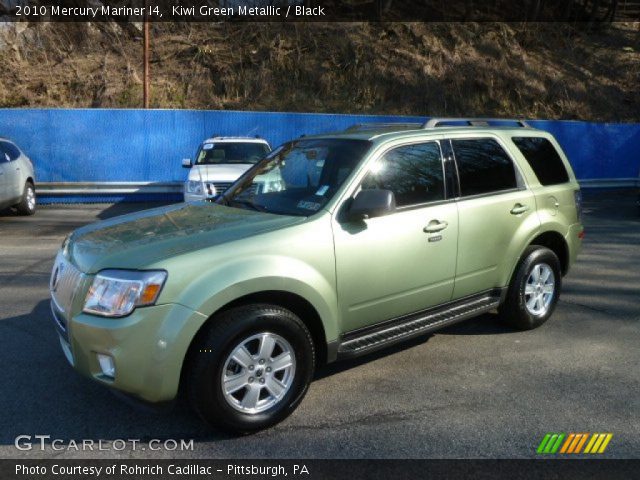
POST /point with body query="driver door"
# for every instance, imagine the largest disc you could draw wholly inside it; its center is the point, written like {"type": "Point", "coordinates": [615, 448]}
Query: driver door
{"type": "Point", "coordinates": [403, 262]}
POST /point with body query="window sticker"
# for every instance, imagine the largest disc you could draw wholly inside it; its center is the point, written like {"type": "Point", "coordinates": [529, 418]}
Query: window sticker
{"type": "Point", "coordinates": [309, 205]}
{"type": "Point", "coordinates": [207, 146]}
{"type": "Point", "coordinates": [322, 190]}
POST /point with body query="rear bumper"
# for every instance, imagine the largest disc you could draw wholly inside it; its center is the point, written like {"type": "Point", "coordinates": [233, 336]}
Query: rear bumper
{"type": "Point", "coordinates": [574, 242]}
{"type": "Point", "coordinates": [148, 348]}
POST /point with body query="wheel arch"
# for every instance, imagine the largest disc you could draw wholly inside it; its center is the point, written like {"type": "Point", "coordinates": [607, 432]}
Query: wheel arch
{"type": "Point", "coordinates": [555, 242]}
{"type": "Point", "coordinates": [297, 304]}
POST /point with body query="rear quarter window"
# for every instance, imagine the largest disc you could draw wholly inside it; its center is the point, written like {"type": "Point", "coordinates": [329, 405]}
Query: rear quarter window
{"type": "Point", "coordinates": [543, 159]}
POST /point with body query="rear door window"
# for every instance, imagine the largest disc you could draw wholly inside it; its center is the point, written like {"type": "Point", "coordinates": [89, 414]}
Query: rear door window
{"type": "Point", "coordinates": [543, 159]}
{"type": "Point", "coordinates": [483, 166]}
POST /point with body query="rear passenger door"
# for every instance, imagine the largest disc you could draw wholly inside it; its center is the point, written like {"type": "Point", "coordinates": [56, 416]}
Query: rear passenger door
{"type": "Point", "coordinates": [496, 213]}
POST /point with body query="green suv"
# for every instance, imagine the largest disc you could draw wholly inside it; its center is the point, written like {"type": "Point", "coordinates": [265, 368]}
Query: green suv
{"type": "Point", "coordinates": [374, 235]}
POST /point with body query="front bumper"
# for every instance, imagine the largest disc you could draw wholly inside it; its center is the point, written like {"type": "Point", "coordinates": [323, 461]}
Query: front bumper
{"type": "Point", "coordinates": [148, 348]}
{"type": "Point", "coordinates": [193, 197]}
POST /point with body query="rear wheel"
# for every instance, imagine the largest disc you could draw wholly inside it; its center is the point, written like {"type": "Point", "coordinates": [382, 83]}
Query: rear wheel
{"type": "Point", "coordinates": [534, 289]}
{"type": "Point", "coordinates": [27, 205]}
{"type": "Point", "coordinates": [251, 368]}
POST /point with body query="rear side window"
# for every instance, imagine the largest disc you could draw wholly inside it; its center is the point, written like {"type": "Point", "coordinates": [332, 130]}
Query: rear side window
{"type": "Point", "coordinates": [4, 156]}
{"type": "Point", "coordinates": [483, 166]}
{"type": "Point", "coordinates": [414, 174]}
{"type": "Point", "coordinates": [9, 151]}
{"type": "Point", "coordinates": [543, 159]}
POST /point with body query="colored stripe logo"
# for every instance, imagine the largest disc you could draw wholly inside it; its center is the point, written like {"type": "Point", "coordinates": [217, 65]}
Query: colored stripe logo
{"type": "Point", "coordinates": [553, 443]}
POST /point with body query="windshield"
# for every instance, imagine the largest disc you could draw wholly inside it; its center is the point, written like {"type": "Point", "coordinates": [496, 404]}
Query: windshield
{"type": "Point", "coordinates": [229, 152]}
{"type": "Point", "coordinates": [299, 178]}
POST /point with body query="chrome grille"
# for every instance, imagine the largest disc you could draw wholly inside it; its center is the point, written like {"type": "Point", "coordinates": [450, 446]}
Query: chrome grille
{"type": "Point", "coordinates": [65, 279]}
{"type": "Point", "coordinates": [220, 187]}
{"type": "Point", "coordinates": [223, 187]}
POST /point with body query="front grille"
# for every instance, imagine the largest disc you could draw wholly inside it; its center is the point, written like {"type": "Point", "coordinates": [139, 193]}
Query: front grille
{"type": "Point", "coordinates": [220, 187]}
{"type": "Point", "coordinates": [65, 279]}
{"type": "Point", "coordinates": [60, 322]}
{"type": "Point", "coordinates": [223, 187]}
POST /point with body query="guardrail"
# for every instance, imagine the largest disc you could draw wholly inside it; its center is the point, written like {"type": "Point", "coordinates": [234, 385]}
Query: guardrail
{"type": "Point", "coordinates": [108, 188]}
{"type": "Point", "coordinates": [148, 189]}
{"type": "Point", "coordinates": [610, 183]}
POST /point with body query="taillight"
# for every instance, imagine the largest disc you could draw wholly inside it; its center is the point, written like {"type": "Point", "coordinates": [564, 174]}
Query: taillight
{"type": "Point", "coordinates": [578, 198]}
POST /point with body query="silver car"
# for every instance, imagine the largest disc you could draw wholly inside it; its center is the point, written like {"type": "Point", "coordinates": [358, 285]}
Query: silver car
{"type": "Point", "coordinates": [17, 179]}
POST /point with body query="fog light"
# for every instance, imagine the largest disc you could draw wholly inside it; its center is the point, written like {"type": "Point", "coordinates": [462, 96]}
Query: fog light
{"type": "Point", "coordinates": [107, 365]}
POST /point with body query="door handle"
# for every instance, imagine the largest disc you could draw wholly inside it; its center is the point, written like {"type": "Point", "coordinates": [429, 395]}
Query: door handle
{"type": "Point", "coordinates": [435, 226]}
{"type": "Point", "coordinates": [518, 208]}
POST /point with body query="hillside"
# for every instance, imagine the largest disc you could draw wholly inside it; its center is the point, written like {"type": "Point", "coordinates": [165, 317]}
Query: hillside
{"type": "Point", "coordinates": [535, 70]}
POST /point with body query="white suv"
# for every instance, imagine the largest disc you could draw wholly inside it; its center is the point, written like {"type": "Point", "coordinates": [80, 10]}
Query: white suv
{"type": "Point", "coordinates": [17, 179]}
{"type": "Point", "coordinates": [220, 162]}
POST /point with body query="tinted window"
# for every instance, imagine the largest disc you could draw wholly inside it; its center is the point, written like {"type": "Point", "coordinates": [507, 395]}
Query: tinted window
{"type": "Point", "coordinates": [10, 150]}
{"type": "Point", "coordinates": [483, 166]}
{"type": "Point", "coordinates": [218, 153]}
{"type": "Point", "coordinates": [543, 159]}
{"type": "Point", "coordinates": [413, 173]}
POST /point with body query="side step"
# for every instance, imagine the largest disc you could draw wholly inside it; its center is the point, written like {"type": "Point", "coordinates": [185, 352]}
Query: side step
{"type": "Point", "coordinates": [379, 336]}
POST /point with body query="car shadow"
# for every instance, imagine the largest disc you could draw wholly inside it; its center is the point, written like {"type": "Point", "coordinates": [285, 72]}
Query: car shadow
{"type": "Point", "coordinates": [48, 396]}
{"type": "Point", "coordinates": [9, 212]}
{"type": "Point", "coordinates": [122, 208]}
{"type": "Point", "coordinates": [43, 395]}
{"type": "Point", "coordinates": [486, 324]}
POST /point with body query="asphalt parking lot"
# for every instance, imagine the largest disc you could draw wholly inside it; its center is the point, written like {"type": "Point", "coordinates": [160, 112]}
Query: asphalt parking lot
{"type": "Point", "coordinates": [474, 390]}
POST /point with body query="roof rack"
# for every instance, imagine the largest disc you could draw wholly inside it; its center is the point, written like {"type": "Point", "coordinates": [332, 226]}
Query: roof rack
{"type": "Point", "coordinates": [361, 127]}
{"type": "Point", "coordinates": [474, 122]}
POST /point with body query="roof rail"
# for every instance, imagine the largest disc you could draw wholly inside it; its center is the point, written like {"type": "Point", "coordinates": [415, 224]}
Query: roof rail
{"type": "Point", "coordinates": [360, 127]}
{"type": "Point", "coordinates": [474, 122]}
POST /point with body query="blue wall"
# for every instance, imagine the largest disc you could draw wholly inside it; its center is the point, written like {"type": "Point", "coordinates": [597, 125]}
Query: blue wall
{"type": "Point", "coordinates": [139, 145]}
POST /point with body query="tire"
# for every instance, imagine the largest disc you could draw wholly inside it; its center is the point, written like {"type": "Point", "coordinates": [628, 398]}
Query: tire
{"type": "Point", "coordinates": [27, 205]}
{"type": "Point", "coordinates": [211, 361]}
{"type": "Point", "coordinates": [530, 301]}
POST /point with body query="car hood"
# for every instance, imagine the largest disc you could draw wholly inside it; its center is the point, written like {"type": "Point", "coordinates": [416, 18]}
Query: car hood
{"type": "Point", "coordinates": [227, 172]}
{"type": "Point", "coordinates": [140, 239]}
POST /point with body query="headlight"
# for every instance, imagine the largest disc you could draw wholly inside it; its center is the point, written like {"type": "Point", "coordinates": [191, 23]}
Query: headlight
{"type": "Point", "coordinates": [116, 293]}
{"type": "Point", "coordinates": [65, 246]}
{"type": "Point", "coordinates": [194, 186]}
{"type": "Point", "coordinates": [273, 186]}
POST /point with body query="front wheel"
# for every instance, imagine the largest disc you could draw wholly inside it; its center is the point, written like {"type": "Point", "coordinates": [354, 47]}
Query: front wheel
{"type": "Point", "coordinates": [27, 205]}
{"type": "Point", "coordinates": [251, 368]}
{"type": "Point", "coordinates": [534, 289]}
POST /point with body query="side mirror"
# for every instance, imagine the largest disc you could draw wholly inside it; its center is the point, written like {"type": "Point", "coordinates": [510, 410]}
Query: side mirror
{"type": "Point", "coordinates": [186, 163]}
{"type": "Point", "coordinates": [372, 203]}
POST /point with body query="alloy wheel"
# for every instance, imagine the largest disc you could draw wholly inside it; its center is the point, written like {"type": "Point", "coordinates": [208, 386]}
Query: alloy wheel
{"type": "Point", "coordinates": [258, 373]}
